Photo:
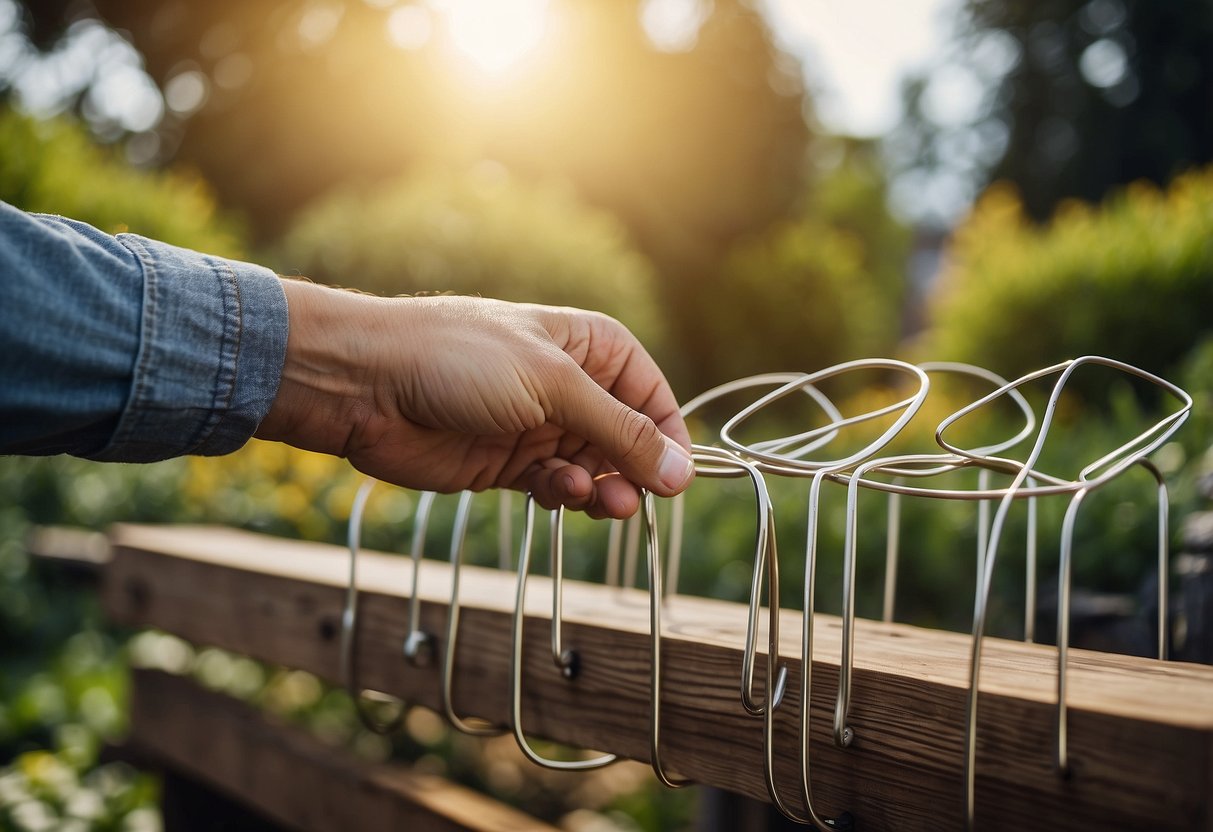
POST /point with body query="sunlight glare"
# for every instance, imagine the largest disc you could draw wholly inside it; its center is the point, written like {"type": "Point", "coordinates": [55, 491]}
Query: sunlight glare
{"type": "Point", "coordinates": [495, 34]}
{"type": "Point", "coordinates": [673, 25]}
{"type": "Point", "coordinates": [856, 51]}
{"type": "Point", "coordinates": [410, 27]}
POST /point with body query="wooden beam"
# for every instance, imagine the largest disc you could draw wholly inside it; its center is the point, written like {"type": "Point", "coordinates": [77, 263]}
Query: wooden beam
{"type": "Point", "coordinates": [77, 551]}
{"type": "Point", "coordinates": [1141, 731]}
{"type": "Point", "coordinates": [291, 778]}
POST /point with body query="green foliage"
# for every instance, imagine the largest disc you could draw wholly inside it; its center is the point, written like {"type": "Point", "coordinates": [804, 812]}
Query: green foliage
{"type": "Point", "coordinates": [482, 233]}
{"type": "Point", "coordinates": [63, 685]}
{"type": "Point", "coordinates": [1066, 99]}
{"type": "Point", "coordinates": [41, 790]}
{"type": "Point", "coordinates": [1131, 279]}
{"type": "Point", "coordinates": [62, 680]}
{"type": "Point", "coordinates": [52, 167]}
{"type": "Point", "coordinates": [837, 266]}
{"type": "Point", "coordinates": [822, 285]}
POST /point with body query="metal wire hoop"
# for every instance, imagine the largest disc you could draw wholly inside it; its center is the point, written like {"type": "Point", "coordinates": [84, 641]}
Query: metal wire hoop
{"type": "Point", "coordinates": [348, 661]}
{"type": "Point", "coordinates": [482, 727]}
{"type": "Point", "coordinates": [516, 633]}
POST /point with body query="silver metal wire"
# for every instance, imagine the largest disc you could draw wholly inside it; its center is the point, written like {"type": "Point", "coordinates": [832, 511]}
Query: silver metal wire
{"type": "Point", "coordinates": [348, 652]}
{"type": "Point", "coordinates": [1090, 477]}
{"type": "Point", "coordinates": [1061, 754]}
{"type": "Point", "coordinates": [678, 503]}
{"type": "Point", "coordinates": [505, 540]}
{"type": "Point", "coordinates": [795, 459]}
{"type": "Point", "coordinates": [656, 601]}
{"type": "Point", "coordinates": [808, 454]}
{"type": "Point", "coordinates": [905, 465]}
{"type": "Point", "coordinates": [482, 727]}
{"type": "Point", "coordinates": [857, 470]}
{"type": "Point", "coordinates": [719, 462]}
{"type": "Point", "coordinates": [417, 644]}
{"type": "Point", "coordinates": [516, 633]}
{"type": "Point", "coordinates": [766, 560]}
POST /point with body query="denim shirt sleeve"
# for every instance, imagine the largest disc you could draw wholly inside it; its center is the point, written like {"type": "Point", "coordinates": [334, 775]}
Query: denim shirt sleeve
{"type": "Point", "coordinates": [126, 349]}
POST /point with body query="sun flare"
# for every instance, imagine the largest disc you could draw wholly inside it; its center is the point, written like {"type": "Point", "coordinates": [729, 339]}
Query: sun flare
{"type": "Point", "coordinates": [495, 34]}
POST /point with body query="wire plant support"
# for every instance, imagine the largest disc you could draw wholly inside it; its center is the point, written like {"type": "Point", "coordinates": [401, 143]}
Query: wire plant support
{"type": "Point", "coordinates": [874, 461]}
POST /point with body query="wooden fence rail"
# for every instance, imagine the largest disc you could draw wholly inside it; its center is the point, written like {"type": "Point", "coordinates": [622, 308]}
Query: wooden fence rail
{"type": "Point", "coordinates": [290, 778]}
{"type": "Point", "coordinates": [1141, 731]}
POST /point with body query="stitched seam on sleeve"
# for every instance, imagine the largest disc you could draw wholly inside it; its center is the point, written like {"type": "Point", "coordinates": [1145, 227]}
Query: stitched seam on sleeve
{"type": "Point", "coordinates": [148, 334]}
{"type": "Point", "coordinates": [226, 375]}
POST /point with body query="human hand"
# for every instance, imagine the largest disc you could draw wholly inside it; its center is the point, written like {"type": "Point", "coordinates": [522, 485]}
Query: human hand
{"type": "Point", "coordinates": [453, 393]}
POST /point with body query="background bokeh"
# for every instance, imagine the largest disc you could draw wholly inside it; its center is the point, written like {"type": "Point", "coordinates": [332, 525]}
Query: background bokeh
{"type": "Point", "coordinates": [1039, 189]}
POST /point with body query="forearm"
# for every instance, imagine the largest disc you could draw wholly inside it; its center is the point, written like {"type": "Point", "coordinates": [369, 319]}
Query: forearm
{"type": "Point", "coordinates": [126, 349]}
{"type": "Point", "coordinates": [196, 353]}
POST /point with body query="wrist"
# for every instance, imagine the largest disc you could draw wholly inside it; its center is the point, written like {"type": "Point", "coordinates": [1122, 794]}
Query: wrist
{"type": "Point", "coordinates": [323, 394]}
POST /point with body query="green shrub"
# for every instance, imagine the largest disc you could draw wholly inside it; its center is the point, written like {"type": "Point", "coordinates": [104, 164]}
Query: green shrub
{"type": "Point", "coordinates": [823, 285]}
{"type": "Point", "coordinates": [62, 678]}
{"type": "Point", "coordinates": [482, 233]}
{"type": "Point", "coordinates": [1131, 279]}
{"type": "Point", "coordinates": [53, 167]}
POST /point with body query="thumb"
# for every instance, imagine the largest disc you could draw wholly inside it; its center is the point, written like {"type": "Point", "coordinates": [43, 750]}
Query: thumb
{"type": "Point", "coordinates": [629, 440]}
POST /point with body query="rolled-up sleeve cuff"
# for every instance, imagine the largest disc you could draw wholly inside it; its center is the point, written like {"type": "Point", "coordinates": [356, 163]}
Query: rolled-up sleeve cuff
{"type": "Point", "coordinates": [213, 338]}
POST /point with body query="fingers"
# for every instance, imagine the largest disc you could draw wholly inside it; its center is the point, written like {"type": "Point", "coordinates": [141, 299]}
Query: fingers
{"type": "Point", "coordinates": [629, 440]}
{"type": "Point", "coordinates": [610, 392]}
{"type": "Point", "coordinates": [558, 483]}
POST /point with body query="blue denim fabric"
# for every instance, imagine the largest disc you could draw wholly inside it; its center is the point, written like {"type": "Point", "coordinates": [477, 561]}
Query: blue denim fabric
{"type": "Point", "coordinates": [126, 349]}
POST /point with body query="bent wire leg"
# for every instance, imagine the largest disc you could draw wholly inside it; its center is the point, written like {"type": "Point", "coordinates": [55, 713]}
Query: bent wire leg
{"type": "Point", "coordinates": [1164, 570]}
{"type": "Point", "coordinates": [565, 660]}
{"type": "Point", "coordinates": [775, 690]}
{"type": "Point", "coordinates": [631, 552]}
{"type": "Point", "coordinates": [1029, 604]}
{"type": "Point", "coordinates": [1061, 753]}
{"type": "Point", "coordinates": [768, 717]}
{"type": "Point", "coordinates": [983, 529]}
{"type": "Point", "coordinates": [720, 462]}
{"type": "Point", "coordinates": [979, 624]}
{"type": "Point", "coordinates": [844, 821]}
{"type": "Point", "coordinates": [614, 544]}
{"type": "Point", "coordinates": [766, 558]}
{"type": "Point", "coordinates": [891, 551]}
{"type": "Point", "coordinates": [481, 728]}
{"type": "Point", "coordinates": [504, 529]}
{"type": "Point", "coordinates": [656, 599]}
{"type": "Point", "coordinates": [418, 644]}
{"type": "Point", "coordinates": [843, 733]}
{"type": "Point", "coordinates": [677, 526]}
{"type": "Point", "coordinates": [1061, 750]}
{"type": "Point", "coordinates": [349, 621]}
{"type": "Point", "coordinates": [524, 560]}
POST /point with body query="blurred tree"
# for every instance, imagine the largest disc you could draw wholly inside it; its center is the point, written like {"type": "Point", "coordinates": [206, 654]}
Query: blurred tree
{"type": "Point", "coordinates": [694, 141]}
{"type": "Point", "coordinates": [482, 232]}
{"type": "Point", "coordinates": [54, 167]}
{"type": "Point", "coordinates": [822, 285]}
{"type": "Point", "coordinates": [1131, 279]}
{"type": "Point", "coordinates": [1064, 98]}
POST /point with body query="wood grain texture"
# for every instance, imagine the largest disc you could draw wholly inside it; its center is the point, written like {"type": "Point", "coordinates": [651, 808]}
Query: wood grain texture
{"type": "Point", "coordinates": [290, 777]}
{"type": "Point", "coordinates": [1141, 731]}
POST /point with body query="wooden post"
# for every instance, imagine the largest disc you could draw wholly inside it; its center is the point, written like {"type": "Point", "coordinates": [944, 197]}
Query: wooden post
{"type": "Point", "coordinates": [1141, 731]}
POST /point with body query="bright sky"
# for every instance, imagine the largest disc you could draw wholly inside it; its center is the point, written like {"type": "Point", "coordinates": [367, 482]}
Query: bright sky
{"type": "Point", "coordinates": [856, 51]}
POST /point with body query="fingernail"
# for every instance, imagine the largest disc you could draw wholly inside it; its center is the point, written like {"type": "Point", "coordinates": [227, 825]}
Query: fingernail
{"type": "Point", "coordinates": [676, 466]}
